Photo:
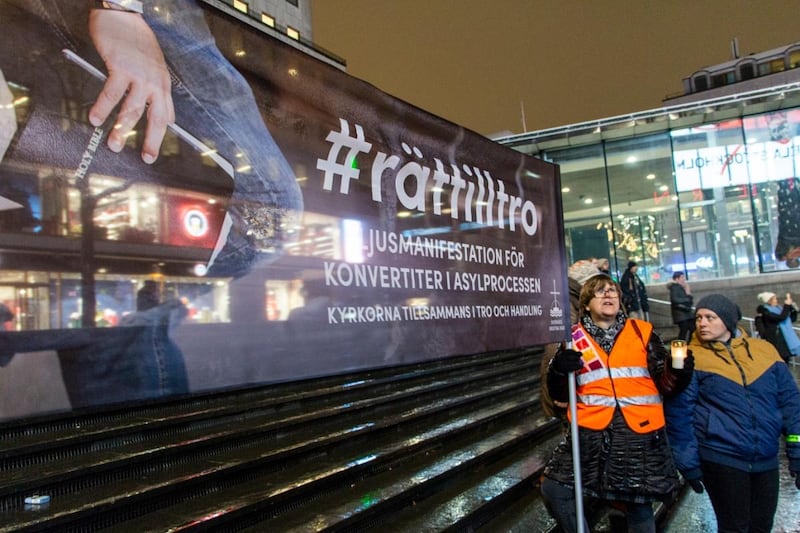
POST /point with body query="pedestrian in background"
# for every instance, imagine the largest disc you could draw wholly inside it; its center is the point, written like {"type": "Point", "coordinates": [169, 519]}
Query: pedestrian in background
{"type": "Point", "coordinates": [774, 323]}
{"type": "Point", "coordinates": [681, 299]}
{"type": "Point", "coordinates": [621, 372]}
{"type": "Point", "coordinates": [725, 427]}
{"type": "Point", "coordinates": [634, 293]}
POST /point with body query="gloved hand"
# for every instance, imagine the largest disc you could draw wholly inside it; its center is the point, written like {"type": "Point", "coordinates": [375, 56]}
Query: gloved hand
{"type": "Point", "coordinates": [696, 484]}
{"type": "Point", "coordinates": [566, 361]}
{"type": "Point", "coordinates": [796, 476]}
{"type": "Point", "coordinates": [674, 380]}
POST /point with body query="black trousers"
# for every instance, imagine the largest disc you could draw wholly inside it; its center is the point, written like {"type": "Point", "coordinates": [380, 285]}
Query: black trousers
{"type": "Point", "coordinates": [744, 502]}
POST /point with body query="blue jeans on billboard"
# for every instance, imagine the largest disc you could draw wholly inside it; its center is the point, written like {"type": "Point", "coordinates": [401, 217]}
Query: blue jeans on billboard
{"type": "Point", "coordinates": [133, 361]}
{"type": "Point", "coordinates": [214, 103]}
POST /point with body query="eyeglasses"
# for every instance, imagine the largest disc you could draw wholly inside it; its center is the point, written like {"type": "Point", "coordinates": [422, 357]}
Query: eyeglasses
{"type": "Point", "coordinates": [608, 291]}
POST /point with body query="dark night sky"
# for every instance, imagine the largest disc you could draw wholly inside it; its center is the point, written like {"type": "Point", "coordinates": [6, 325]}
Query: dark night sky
{"type": "Point", "coordinates": [568, 61]}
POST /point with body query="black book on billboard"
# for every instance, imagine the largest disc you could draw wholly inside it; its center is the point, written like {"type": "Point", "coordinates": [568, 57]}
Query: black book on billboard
{"type": "Point", "coordinates": [54, 138]}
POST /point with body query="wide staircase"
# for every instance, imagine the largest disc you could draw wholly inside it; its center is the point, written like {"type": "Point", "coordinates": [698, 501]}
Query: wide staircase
{"type": "Point", "coordinates": [456, 444]}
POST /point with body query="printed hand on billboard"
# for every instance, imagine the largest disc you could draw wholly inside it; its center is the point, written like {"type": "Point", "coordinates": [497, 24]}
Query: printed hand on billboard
{"type": "Point", "coordinates": [137, 77]}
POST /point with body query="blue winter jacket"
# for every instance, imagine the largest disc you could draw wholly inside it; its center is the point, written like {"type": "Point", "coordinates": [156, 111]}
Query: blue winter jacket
{"type": "Point", "coordinates": [741, 400]}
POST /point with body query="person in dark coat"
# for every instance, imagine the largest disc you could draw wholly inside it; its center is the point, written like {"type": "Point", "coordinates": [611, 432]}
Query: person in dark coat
{"type": "Point", "coordinates": [681, 299]}
{"type": "Point", "coordinates": [774, 323]}
{"type": "Point", "coordinates": [634, 293]}
{"type": "Point", "coordinates": [621, 371]}
{"type": "Point", "coordinates": [147, 297]}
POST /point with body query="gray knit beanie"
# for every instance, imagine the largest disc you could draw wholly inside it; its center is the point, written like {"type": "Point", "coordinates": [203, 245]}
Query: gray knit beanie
{"type": "Point", "coordinates": [725, 309]}
{"type": "Point", "coordinates": [582, 270]}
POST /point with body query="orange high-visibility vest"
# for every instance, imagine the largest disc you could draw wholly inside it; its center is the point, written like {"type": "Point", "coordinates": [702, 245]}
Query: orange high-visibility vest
{"type": "Point", "coordinates": [619, 379]}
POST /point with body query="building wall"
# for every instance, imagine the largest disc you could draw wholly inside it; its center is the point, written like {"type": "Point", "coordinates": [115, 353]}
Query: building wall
{"type": "Point", "coordinates": [780, 78]}
{"type": "Point", "coordinates": [712, 199]}
{"type": "Point", "coordinates": [286, 13]}
{"type": "Point", "coordinates": [709, 196]}
{"type": "Point", "coordinates": [706, 185]}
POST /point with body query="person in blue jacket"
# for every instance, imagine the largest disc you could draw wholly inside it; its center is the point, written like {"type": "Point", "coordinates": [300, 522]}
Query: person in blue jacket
{"type": "Point", "coordinates": [774, 323]}
{"type": "Point", "coordinates": [725, 428]}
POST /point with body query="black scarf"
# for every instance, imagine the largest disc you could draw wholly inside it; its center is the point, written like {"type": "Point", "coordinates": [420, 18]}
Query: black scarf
{"type": "Point", "coordinates": [604, 337]}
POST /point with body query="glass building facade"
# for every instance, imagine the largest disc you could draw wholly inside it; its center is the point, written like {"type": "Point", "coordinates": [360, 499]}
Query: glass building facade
{"type": "Point", "coordinates": [710, 187]}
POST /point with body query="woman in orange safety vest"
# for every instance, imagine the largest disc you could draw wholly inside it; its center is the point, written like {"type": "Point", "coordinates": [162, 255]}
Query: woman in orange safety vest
{"type": "Point", "coordinates": [621, 369]}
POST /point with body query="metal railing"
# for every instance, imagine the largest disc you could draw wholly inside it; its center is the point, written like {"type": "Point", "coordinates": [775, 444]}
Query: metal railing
{"type": "Point", "coordinates": [750, 321]}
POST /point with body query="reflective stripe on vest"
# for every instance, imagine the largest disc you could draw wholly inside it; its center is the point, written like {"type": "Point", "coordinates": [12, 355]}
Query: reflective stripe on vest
{"type": "Point", "coordinates": [622, 380]}
{"type": "Point", "coordinates": [628, 372]}
{"type": "Point", "coordinates": [609, 401]}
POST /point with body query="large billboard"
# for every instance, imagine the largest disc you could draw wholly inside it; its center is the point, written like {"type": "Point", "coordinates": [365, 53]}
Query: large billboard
{"type": "Point", "coordinates": [188, 204]}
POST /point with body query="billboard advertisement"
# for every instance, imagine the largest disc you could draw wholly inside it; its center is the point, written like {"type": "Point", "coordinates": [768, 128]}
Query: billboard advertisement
{"type": "Point", "coordinates": [189, 204]}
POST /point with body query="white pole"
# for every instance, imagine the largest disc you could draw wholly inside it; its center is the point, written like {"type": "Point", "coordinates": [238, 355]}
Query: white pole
{"type": "Point", "coordinates": [576, 452]}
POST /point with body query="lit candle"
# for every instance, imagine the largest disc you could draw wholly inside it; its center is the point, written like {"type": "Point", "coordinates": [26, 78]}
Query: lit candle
{"type": "Point", "coordinates": [678, 350]}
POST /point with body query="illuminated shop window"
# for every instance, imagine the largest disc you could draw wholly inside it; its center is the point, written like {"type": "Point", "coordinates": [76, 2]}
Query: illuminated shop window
{"type": "Point", "coordinates": [268, 20]}
{"type": "Point", "coordinates": [777, 65]}
{"type": "Point", "coordinates": [240, 6]}
{"type": "Point", "coordinates": [772, 141]}
{"type": "Point", "coordinates": [794, 59]}
{"type": "Point", "coordinates": [587, 220]}
{"type": "Point", "coordinates": [643, 204]}
{"type": "Point", "coordinates": [293, 33]}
